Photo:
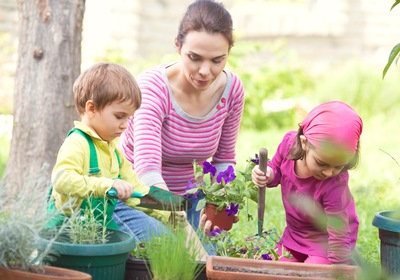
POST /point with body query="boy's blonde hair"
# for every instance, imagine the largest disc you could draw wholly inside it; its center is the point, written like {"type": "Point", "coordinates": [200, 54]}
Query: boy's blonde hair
{"type": "Point", "coordinates": [104, 83]}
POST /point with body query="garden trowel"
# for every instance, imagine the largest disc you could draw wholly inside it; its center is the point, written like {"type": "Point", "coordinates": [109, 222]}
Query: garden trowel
{"type": "Point", "coordinates": [158, 199]}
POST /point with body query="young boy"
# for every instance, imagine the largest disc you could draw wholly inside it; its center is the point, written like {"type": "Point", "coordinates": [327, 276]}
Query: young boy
{"type": "Point", "coordinates": [105, 96]}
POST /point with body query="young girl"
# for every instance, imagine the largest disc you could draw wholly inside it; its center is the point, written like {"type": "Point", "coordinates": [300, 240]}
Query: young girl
{"type": "Point", "coordinates": [312, 168]}
{"type": "Point", "coordinates": [105, 96]}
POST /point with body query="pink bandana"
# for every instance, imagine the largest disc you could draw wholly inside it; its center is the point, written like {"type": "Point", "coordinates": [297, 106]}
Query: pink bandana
{"type": "Point", "coordinates": [335, 122]}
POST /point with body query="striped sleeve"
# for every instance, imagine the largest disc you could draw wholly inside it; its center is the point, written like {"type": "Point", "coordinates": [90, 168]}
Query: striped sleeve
{"type": "Point", "coordinates": [141, 141]}
{"type": "Point", "coordinates": [225, 154]}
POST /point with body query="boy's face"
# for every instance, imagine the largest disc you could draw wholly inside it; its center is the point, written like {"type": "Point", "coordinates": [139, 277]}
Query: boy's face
{"type": "Point", "coordinates": [110, 122]}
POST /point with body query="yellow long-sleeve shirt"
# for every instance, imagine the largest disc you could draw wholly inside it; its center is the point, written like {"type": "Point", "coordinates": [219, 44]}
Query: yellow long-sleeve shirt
{"type": "Point", "coordinates": [70, 174]}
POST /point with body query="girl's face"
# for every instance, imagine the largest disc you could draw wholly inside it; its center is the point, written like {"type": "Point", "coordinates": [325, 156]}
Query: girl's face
{"type": "Point", "coordinates": [203, 57]}
{"type": "Point", "coordinates": [320, 164]}
{"type": "Point", "coordinates": [110, 122]}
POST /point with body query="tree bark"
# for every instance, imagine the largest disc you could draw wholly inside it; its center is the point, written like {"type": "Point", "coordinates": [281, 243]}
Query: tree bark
{"type": "Point", "coordinates": [49, 59]}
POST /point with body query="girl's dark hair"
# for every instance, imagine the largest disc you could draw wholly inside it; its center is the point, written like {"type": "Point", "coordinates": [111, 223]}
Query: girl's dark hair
{"type": "Point", "coordinates": [297, 152]}
{"type": "Point", "coordinates": [208, 16]}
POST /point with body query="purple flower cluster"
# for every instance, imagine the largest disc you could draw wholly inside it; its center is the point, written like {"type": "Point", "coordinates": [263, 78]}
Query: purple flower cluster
{"type": "Point", "coordinates": [209, 168]}
{"type": "Point", "coordinates": [232, 209]}
{"type": "Point", "coordinates": [256, 160]}
{"type": "Point", "coordinates": [190, 186]}
{"type": "Point", "coordinates": [266, 257]}
{"type": "Point", "coordinates": [228, 175]}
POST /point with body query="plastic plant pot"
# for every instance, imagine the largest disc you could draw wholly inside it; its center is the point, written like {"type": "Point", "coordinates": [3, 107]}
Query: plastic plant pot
{"type": "Point", "coordinates": [388, 223]}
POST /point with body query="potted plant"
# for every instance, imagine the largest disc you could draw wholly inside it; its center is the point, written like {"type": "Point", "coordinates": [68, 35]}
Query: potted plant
{"type": "Point", "coordinates": [89, 246]}
{"type": "Point", "coordinates": [238, 268]}
{"type": "Point", "coordinates": [225, 193]}
{"type": "Point", "coordinates": [178, 255]}
{"type": "Point", "coordinates": [388, 224]}
{"type": "Point", "coordinates": [22, 217]}
{"type": "Point", "coordinates": [255, 258]}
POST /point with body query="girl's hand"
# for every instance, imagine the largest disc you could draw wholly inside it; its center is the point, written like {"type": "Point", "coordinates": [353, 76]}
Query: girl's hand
{"type": "Point", "coordinates": [124, 189]}
{"type": "Point", "coordinates": [259, 178]}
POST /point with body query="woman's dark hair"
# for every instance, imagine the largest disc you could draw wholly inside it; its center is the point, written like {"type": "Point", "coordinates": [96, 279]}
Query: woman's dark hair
{"type": "Point", "coordinates": [208, 16]}
{"type": "Point", "coordinates": [297, 152]}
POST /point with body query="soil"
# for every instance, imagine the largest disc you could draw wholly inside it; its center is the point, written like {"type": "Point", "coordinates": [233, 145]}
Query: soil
{"type": "Point", "coordinates": [286, 272]}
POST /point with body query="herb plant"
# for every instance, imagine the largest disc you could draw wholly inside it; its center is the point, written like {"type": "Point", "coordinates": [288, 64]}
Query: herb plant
{"type": "Point", "coordinates": [171, 256]}
{"type": "Point", "coordinates": [22, 218]}
{"type": "Point", "coordinates": [83, 228]}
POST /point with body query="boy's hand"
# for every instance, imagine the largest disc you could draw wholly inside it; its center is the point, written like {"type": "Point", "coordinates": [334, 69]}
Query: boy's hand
{"type": "Point", "coordinates": [259, 178]}
{"type": "Point", "coordinates": [124, 189]}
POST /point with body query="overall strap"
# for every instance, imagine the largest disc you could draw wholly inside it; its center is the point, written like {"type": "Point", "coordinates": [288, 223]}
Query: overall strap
{"type": "Point", "coordinates": [94, 165]}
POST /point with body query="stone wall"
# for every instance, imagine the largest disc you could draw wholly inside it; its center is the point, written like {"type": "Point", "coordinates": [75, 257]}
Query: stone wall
{"type": "Point", "coordinates": [324, 32]}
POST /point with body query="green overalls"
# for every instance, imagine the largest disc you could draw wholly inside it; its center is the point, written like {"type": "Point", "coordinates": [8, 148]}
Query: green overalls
{"type": "Point", "coordinates": [101, 206]}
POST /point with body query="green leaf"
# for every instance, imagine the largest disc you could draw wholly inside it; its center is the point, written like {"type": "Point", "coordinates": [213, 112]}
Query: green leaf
{"type": "Point", "coordinates": [201, 204]}
{"type": "Point", "coordinates": [215, 187]}
{"type": "Point", "coordinates": [393, 54]}
{"type": "Point", "coordinates": [395, 4]}
{"type": "Point", "coordinates": [192, 191]}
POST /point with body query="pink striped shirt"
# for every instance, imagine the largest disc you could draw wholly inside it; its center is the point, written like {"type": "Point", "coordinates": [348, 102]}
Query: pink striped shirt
{"type": "Point", "coordinates": [162, 140]}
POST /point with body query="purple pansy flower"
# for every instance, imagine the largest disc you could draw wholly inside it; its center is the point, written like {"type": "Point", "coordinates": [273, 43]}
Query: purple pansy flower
{"type": "Point", "coordinates": [266, 257]}
{"type": "Point", "coordinates": [209, 168]}
{"type": "Point", "coordinates": [232, 209]}
{"type": "Point", "coordinates": [256, 160]}
{"type": "Point", "coordinates": [190, 186]}
{"type": "Point", "coordinates": [228, 175]}
{"type": "Point", "coordinates": [215, 232]}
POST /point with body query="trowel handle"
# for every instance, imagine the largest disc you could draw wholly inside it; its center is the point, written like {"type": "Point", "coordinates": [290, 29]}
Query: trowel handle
{"type": "Point", "coordinates": [112, 193]}
{"type": "Point", "coordinates": [263, 156]}
{"type": "Point", "coordinates": [263, 159]}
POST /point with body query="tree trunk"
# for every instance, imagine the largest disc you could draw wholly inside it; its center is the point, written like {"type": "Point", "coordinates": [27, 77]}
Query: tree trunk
{"type": "Point", "coordinates": [49, 59]}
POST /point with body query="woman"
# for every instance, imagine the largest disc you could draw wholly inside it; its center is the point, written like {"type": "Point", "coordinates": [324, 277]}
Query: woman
{"type": "Point", "coordinates": [191, 110]}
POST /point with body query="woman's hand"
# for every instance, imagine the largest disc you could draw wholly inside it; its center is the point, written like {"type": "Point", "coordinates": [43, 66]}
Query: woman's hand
{"type": "Point", "coordinates": [205, 225]}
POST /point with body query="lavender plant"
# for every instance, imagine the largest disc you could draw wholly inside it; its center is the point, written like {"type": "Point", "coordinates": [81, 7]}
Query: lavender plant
{"type": "Point", "coordinates": [22, 218]}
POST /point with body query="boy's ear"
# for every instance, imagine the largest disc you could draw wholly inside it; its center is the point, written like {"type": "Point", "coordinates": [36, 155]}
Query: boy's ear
{"type": "Point", "coordinates": [90, 109]}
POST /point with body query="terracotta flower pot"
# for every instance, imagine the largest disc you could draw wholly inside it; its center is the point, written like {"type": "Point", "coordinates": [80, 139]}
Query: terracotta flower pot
{"type": "Point", "coordinates": [218, 218]}
{"type": "Point", "coordinates": [50, 273]}
{"type": "Point", "coordinates": [238, 269]}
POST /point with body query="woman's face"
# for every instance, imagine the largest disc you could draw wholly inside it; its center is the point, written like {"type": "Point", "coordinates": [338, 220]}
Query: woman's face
{"type": "Point", "coordinates": [203, 57]}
